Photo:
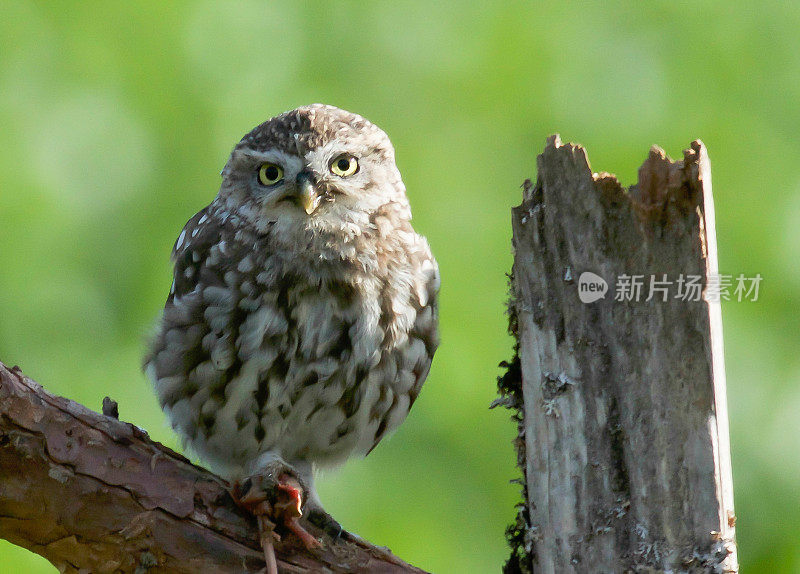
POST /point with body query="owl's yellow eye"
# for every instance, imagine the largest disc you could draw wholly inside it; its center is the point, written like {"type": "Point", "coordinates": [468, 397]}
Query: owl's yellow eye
{"type": "Point", "coordinates": [270, 174]}
{"type": "Point", "coordinates": [344, 165]}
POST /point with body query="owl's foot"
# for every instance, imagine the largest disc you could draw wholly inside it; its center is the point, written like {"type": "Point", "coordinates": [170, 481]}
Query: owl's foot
{"type": "Point", "coordinates": [274, 498]}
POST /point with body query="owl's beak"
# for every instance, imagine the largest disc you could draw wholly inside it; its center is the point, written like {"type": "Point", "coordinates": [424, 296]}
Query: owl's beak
{"type": "Point", "coordinates": [307, 193]}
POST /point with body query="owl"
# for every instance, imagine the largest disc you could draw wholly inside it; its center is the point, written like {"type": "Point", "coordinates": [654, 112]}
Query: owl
{"type": "Point", "coordinates": [302, 318]}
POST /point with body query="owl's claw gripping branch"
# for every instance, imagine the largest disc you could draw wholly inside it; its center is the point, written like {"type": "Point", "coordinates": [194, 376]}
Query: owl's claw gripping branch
{"type": "Point", "coordinates": [274, 502]}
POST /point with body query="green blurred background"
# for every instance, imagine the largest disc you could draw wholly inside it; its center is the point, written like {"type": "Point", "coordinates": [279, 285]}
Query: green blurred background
{"type": "Point", "coordinates": [116, 118]}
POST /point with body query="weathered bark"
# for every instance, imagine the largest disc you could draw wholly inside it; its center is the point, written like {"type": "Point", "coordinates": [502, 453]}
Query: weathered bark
{"type": "Point", "coordinates": [93, 494]}
{"type": "Point", "coordinates": [624, 418]}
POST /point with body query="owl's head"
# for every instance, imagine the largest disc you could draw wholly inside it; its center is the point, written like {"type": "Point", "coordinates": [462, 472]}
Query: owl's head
{"type": "Point", "coordinates": [315, 166]}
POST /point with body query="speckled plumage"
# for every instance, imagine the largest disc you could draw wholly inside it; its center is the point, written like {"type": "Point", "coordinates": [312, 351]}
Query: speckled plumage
{"type": "Point", "coordinates": [295, 336]}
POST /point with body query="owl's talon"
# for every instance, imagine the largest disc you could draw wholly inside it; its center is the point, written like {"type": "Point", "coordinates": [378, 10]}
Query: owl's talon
{"type": "Point", "coordinates": [274, 502]}
{"type": "Point", "coordinates": [292, 495]}
{"type": "Point", "coordinates": [308, 540]}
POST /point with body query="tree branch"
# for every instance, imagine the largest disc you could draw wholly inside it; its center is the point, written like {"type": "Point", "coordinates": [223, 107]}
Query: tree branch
{"type": "Point", "coordinates": [91, 493]}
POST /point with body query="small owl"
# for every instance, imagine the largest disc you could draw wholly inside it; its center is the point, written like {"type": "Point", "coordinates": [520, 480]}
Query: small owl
{"type": "Point", "coordinates": [302, 318]}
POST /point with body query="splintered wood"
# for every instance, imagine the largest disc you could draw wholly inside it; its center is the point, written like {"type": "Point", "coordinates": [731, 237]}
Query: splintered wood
{"type": "Point", "coordinates": [625, 417]}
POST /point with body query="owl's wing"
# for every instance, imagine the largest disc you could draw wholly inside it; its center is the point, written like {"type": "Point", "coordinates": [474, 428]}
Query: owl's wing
{"type": "Point", "coordinates": [426, 323]}
{"type": "Point", "coordinates": [423, 339]}
{"type": "Point", "coordinates": [193, 347]}
{"type": "Point", "coordinates": [191, 251]}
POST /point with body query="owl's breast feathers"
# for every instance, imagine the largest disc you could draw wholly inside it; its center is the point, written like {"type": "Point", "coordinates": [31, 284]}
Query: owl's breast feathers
{"type": "Point", "coordinates": [268, 345]}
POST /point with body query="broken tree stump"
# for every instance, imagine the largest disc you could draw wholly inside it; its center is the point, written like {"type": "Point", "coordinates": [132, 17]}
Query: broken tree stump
{"type": "Point", "coordinates": [623, 421]}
